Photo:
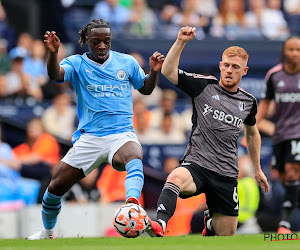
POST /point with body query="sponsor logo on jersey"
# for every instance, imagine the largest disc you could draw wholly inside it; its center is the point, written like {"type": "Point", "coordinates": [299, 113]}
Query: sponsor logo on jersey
{"type": "Point", "coordinates": [107, 90]}
{"type": "Point", "coordinates": [287, 97]}
{"type": "Point", "coordinates": [216, 97]}
{"type": "Point", "coordinates": [222, 116]}
{"type": "Point", "coordinates": [207, 109]}
{"type": "Point", "coordinates": [121, 74]}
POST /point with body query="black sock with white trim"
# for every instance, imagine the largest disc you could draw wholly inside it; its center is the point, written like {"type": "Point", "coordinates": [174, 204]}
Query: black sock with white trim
{"type": "Point", "coordinates": [167, 200]}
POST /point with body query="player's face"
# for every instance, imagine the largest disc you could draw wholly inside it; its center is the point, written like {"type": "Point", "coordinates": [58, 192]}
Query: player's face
{"type": "Point", "coordinates": [292, 51]}
{"type": "Point", "coordinates": [232, 69]}
{"type": "Point", "coordinates": [99, 43]}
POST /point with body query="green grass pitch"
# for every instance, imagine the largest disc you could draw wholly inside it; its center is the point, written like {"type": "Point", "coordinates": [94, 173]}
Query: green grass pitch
{"type": "Point", "coordinates": [190, 242]}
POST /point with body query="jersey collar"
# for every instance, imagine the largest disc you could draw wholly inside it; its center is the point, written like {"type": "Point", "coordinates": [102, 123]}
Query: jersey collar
{"type": "Point", "coordinates": [103, 65]}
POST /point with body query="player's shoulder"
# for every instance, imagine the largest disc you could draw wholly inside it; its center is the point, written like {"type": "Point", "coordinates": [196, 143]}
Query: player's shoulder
{"type": "Point", "coordinates": [121, 56]}
{"type": "Point", "coordinates": [73, 58]}
{"type": "Point", "coordinates": [247, 94]}
{"type": "Point", "coordinates": [198, 76]}
{"type": "Point", "coordinates": [277, 68]}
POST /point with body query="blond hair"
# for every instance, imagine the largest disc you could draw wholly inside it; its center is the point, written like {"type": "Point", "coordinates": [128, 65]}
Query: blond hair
{"type": "Point", "coordinates": [236, 51]}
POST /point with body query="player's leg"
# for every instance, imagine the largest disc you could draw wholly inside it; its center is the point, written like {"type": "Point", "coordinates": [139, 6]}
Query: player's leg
{"type": "Point", "coordinates": [179, 181]}
{"type": "Point", "coordinates": [224, 225]}
{"type": "Point", "coordinates": [290, 183]}
{"type": "Point", "coordinates": [129, 157]}
{"type": "Point", "coordinates": [286, 161]}
{"type": "Point", "coordinates": [223, 204]}
{"type": "Point", "coordinates": [63, 179]}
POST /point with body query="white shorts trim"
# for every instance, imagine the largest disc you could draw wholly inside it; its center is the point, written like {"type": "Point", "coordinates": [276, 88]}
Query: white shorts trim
{"type": "Point", "coordinates": [89, 151]}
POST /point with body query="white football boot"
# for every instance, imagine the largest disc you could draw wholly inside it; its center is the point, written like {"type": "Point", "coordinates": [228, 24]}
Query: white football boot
{"type": "Point", "coordinates": [44, 234]}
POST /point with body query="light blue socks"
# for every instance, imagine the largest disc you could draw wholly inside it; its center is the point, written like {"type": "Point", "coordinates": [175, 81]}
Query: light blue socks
{"type": "Point", "coordinates": [51, 207]}
{"type": "Point", "coordinates": [135, 178]}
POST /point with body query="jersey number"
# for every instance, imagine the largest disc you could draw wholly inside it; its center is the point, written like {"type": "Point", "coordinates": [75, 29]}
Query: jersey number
{"type": "Point", "coordinates": [295, 147]}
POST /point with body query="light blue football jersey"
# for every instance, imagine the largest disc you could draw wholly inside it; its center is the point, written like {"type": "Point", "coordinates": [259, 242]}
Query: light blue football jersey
{"type": "Point", "coordinates": [103, 91]}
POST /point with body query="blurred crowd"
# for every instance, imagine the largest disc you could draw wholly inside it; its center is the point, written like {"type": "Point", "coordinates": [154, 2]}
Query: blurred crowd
{"type": "Point", "coordinates": [25, 170]}
{"type": "Point", "coordinates": [229, 19]}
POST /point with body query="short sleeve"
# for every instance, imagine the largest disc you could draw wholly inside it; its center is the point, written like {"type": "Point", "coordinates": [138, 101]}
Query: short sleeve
{"type": "Point", "coordinates": [137, 76]}
{"type": "Point", "coordinates": [193, 84]}
{"type": "Point", "coordinates": [67, 65]}
{"type": "Point", "coordinates": [250, 119]}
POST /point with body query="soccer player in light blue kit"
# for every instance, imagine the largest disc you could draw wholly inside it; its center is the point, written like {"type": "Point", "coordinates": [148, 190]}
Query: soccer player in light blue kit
{"type": "Point", "coordinates": [101, 79]}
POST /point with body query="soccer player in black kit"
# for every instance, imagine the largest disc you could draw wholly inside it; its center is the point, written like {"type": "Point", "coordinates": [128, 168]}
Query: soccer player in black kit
{"type": "Point", "coordinates": [283, 86]}
{"type": "Point", "coordinates": [209, 164]}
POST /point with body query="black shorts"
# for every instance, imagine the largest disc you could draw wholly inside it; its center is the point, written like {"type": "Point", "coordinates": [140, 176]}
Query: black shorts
{"type": "Point", "coordinates": [221, 191]}
{"type": "Point", "coordinates": [286, 151]}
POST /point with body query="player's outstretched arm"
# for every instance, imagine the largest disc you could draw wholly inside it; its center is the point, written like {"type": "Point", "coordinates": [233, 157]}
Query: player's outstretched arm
{"type": "Point", "coordinates": [156, 62]}
{"type": "Point", "coordinates": [253, 144]}
{"type": "Point", "coordinates": [52, 43]}
{"type": "Point", "coordinates": [170, 66]}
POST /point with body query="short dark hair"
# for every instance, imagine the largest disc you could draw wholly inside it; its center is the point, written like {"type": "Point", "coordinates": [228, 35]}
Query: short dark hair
{"type": "Point", "coordinates": [93, 24]}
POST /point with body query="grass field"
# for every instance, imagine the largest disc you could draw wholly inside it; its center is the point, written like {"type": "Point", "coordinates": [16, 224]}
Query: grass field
{"type": "Point", "coordinates": [240, 242]}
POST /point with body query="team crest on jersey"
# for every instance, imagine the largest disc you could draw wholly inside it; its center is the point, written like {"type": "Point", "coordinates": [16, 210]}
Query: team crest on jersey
{"type": "Point", "coordinates": [121, 74]}
{"type": "Point", "coordinates": [241, 106]}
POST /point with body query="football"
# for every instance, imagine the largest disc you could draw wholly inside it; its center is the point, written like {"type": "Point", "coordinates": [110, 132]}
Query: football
{"type": "Point", "coordinates": [130, 220]}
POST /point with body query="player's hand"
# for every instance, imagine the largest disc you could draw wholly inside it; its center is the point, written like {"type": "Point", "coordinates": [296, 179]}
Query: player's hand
{"type": "Point", "coordinates": [261, 180]}
{"type": "Point", "coordinates": [156, 61]}
{"type": "Point", "coordinates": [186, 33]}
{"type": "Point", "coordinates": [51, 41]}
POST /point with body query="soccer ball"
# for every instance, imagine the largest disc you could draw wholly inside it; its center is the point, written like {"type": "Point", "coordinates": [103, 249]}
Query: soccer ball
{"type": "Point", "coordinates": [130, 220]}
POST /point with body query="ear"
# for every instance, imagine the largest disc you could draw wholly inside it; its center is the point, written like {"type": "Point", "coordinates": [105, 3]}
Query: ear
{"type": "Point", "coordinates": [245, 71]}
{"type": "Point", "coordinates": [220, 65]}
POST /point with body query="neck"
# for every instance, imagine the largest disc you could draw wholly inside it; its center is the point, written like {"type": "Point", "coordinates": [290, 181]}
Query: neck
{"type": "Point", "coordinates": [292, 68]}
{"type": "Point", "coordinates": [229, 89]}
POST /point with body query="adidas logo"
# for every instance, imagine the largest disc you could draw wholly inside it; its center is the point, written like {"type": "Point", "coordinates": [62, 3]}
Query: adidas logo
{"type": "Point", "coordinates": [287, 204]}
{"type": "Point", "coordinates": [281, 84]}
{"type": "Point", "coordinates": [161, 207]}
{"type": "Point", "coordinates": [297, 157]}
{"type": "Point", "coordinates": [216, 97]}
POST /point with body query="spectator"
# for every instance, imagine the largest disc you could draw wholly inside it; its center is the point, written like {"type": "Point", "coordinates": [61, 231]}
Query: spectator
{"type": "Point", "coordinates": [113, 12]}
{"type": "Point", "coordinates": [23, 46]}
{"type": "Point", "coordinates": [143, 22]}
{"type": "Point", "coordinates": [230, 22]}
{"type": "Point", "coordinates": [189, 17]}
{"type": "Point", "coordinates": [7, 33]}
{"type": "Point", "coordinates": [20, 84]}
{"type": "Point", "coordinates": [141, 121]}
{"type": "Point", "coordinates": [292, 10]}
{"type": "Point", "coordinates": [269, 22]}
{"type": "Point", "coordinates": [167, 106]}
{"type": "Point", "coordinates": [5, 61]}
{"type": "Point", "coordinates": [167, 132]}
{"type": "Point", "coordinates": [59, 118]}
{"type": "Point", "coordinates": [35, 64]}
{"type": "Point", "coordinates": [37, 156]}
{"type": "Point", "coordinates": [169, 29]}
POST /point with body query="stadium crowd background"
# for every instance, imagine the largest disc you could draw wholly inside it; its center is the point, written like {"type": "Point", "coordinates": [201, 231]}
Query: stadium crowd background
{"type": "Point", "coordinates": [40, 114]}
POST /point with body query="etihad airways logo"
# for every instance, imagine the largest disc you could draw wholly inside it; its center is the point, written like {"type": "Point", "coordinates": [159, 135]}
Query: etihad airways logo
{"type": "Point", "coordinates": [222, 116]}
{"type": "Point", "coordinates": [107, 90]}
